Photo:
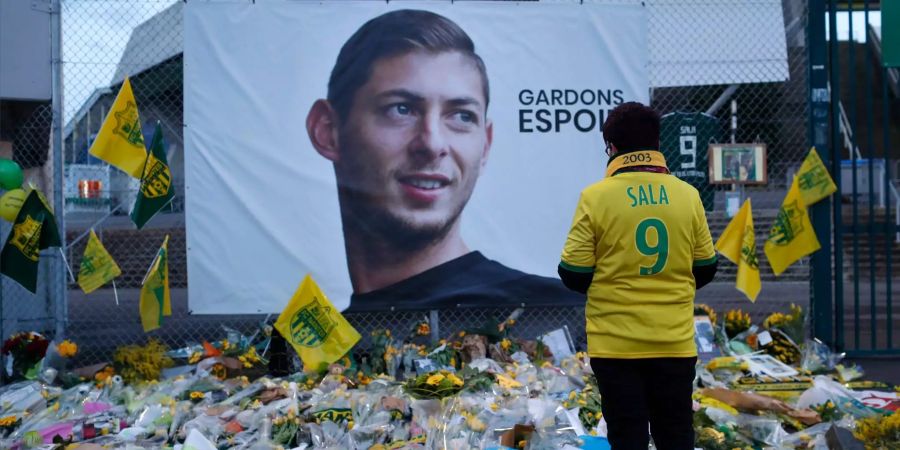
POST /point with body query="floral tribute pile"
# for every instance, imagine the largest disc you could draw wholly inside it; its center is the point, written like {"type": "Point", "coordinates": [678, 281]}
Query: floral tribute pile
{"type": "Point", "coordinates": [757, 386]}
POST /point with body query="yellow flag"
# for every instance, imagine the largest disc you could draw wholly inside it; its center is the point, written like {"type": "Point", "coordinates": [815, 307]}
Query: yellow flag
{"type": "Point", "coordinates": [97, 266]}
{"type": "Point", "coordinates": [814, 180]}
{"type": "Point", "coordinates": [318, 331]}
{"type": "Point", "coordinates": [120, 141]}
{"type": "Point", "coordinates": [792, 236]}
{"type": "Point", "coordinates": [738, 244]}
{"type": "Point", "coordinates": [155, 300]}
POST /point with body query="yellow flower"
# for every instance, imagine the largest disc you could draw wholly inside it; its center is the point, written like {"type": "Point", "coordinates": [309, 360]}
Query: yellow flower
{"type": "Point", "coordinates": [8, 420]}
{"type": "Point", "coordinates": [442, 342]}
{"type": "Point", "coordinates": [511, 322]}
{"type": "Point", "coordinates": [67, 349]}
{"type": "Point", "coordinates": [507, 382]}
{"type": "Point", "coordinates": [424, 329]}
{"type": "Point", "coordinates": [195, 357]}
{"type": "Point", "coordinates": [350, 425]}
{"type": "Point", "coordinates": [434, 380]}
{"type": "Point", "coordinates": [389, 353]}
{"type": "Point", "coordinates": [462, 334]}
{"type": "Point", "coordinates": [494, 406]}
{"type": "Point", "coordinates": [572, 395]}
{"type": "Point", "coordinates": [197, 395]}
{"type": "Point", "coordinates": [456, 380]}
{"type": "Point", "coordinates": [711, 434]}
{"type": "Point", "coordinates": [453, 362]}
{"type": "Point", "coordinates": [505, 344]}
{"type": "Point", "coordinates": [475, 424]}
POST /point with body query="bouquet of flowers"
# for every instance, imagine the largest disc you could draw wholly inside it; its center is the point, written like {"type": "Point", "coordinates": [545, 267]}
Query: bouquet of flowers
{"type": "Point", "coordinates": [27, 349]}
{"type": "Point", "coordinates": [736, 322]}
{"type": "Point", "coordinates": [142, 363]}
{"type": "Point", "coordinates": [790, 324]}
{"type": "Point", "coordinates": [437, 384]}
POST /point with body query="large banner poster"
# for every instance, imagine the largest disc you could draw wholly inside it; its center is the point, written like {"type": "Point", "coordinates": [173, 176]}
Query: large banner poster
{"type": "Point", "coordinates": [406, 154]}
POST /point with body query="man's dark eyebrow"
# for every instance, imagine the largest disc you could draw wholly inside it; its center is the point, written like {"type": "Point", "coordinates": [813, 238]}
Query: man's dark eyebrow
{"type": "Point", "coordinates": [402, 93]}
{"type": "Point", "coordinates": [416, 98]}
{"type": "Point", "coordinates": [464, 101]}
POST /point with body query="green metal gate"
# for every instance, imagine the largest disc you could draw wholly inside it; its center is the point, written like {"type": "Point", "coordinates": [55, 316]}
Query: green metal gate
{"type": "Point", "coordinates": [854, 120]}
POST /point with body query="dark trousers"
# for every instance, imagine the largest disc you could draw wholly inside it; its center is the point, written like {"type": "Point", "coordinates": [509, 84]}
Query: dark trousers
{"type": "Point", "coordinates": [635, 392]}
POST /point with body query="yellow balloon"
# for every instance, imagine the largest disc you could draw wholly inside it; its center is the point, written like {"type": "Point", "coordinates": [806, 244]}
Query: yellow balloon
{"type": "Point", "coordinates": [11, 202]}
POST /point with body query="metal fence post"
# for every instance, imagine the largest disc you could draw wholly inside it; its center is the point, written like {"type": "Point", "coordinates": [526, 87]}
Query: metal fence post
{"type": "Point", "coordinates": [59, 286]}
{"type": "Point", "coordinates": [820, 280]}
{"type": "Point", "coordinates": [435, 318]}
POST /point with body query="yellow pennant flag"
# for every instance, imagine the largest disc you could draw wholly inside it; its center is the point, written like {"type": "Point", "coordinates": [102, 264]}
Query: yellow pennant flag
{"type": "Point", "coordinates": [792, 236]}
{"type": "Point", "coordinates": [120, 141]}
{"type": "Point", "coordinates": [814, 180]}
{"type": "Point", "coordinates": [155, 300]}
{"type": "Point", "coordinates": [97, 266]}
{"type": "Point", "coordinates": [738, 244]}
{"type": "Point", "coordinates": [318, 331]}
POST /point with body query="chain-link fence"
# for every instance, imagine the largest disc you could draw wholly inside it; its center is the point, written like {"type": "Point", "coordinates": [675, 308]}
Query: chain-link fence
{"type": "Point", "coordinates": [104, 40]}
{"type": "Point", "coordinates": [25, 138]}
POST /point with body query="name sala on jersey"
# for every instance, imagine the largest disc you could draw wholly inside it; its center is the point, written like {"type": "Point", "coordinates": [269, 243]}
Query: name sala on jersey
{"type": "Point", "coordinates": [649, 194]}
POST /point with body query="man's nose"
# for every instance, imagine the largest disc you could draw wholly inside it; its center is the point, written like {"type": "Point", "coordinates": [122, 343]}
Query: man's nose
{"type": "Point", "coordinates": [431, 139]}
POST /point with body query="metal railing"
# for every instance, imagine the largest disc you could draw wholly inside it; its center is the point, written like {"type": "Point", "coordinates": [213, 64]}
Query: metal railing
{"type": "Point", "coordinates": [854, 152]}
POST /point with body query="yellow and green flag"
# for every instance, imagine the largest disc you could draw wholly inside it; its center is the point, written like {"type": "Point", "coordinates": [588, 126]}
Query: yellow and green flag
{"type": "Point", "coordinates": [33, 230]}
{"type": "Point", "coordinates": [814, 180]}
{"type": "Point", "coordinates": [316, 330]}
{"type": "Point", "coordinates": [156, 182]}
{"type": "Point", "coordinates": [97, 266]}
{"type": "Point", "coordinates": [738, 244]}
{"type": "Point", "coordinates": [120, 141]}
{"type": "Point", "coordinates": [792, 236]}
{"type": "Point", "coordinates": [155, 300]}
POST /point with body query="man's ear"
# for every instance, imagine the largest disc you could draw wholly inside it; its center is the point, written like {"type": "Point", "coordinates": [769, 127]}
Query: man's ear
{"type": "Point", "coordinates": [489, 130]}
{"type": "Point", "coordinates": [322, 127]}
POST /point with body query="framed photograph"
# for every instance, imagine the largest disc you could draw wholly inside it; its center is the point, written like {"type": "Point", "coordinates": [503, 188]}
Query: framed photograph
{"type": "Point", "coordinates": [737, 164]}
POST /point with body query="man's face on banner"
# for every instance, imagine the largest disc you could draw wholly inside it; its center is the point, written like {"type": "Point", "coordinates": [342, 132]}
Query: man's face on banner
{"type": "Point", "coordinates": [414, 143]}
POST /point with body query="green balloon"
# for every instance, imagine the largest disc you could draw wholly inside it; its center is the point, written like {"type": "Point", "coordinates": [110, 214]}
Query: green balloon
{"type": "Point", "coordinates": [10, 174]}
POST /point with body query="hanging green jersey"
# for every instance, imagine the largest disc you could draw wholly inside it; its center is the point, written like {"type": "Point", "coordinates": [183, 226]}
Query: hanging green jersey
{"type": "Point", "coordinates": [684, 140]}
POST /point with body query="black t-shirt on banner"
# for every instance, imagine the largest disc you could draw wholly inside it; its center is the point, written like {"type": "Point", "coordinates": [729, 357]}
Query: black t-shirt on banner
{"type": "Point", "coordinates": [468, 281]}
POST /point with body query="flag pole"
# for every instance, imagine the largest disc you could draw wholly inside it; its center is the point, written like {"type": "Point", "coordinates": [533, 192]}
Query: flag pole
{"type": "Point", "coordinates": [98, 222]}
{"type": "Point", "coordinates": [166, 240]}
{"type": "Point", "coordinates": [149, 269]}
{"type": "Point", "coordinates": [66, 263]}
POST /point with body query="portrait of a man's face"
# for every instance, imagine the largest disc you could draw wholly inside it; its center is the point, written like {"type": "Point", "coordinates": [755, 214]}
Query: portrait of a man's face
{"type": "Point", "coordinates": [414, 142]}
{"type": "Point", "coordinates": [387, 149]}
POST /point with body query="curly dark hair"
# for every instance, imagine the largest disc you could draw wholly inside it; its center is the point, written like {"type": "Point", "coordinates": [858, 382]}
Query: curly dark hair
{"type": "Point", "coordinates": [632, 126]}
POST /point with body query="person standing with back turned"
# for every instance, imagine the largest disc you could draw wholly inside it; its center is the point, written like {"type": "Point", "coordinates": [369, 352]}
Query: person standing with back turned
{"type": "Point", "coordinates": [639, 247]}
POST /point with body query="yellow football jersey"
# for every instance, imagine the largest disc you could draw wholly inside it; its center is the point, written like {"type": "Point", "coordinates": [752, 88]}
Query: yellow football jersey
{"type": "Point", "coordinates": [640, 233]}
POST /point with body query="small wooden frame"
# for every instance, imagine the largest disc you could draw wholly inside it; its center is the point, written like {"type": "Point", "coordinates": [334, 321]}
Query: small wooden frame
{"type": "Point", "coordinates": [738, 164]}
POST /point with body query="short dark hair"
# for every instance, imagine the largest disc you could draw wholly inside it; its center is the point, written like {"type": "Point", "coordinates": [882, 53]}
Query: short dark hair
{"type": "Point", "coordinates": [393, 34]}
{"type": "Point", "coordinates": [632, 126]}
